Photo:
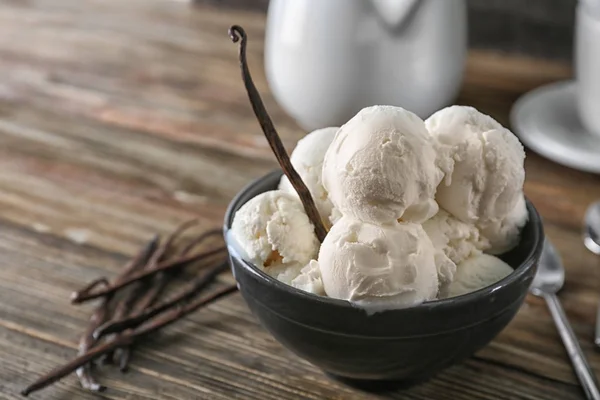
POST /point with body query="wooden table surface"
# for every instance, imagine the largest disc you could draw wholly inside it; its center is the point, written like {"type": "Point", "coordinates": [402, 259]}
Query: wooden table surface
{"type": "Point", "coordinates": [123, 118]}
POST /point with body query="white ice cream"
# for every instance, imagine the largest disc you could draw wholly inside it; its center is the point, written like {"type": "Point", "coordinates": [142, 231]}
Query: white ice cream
{"type": "Point", "coordinates": [307, 159]}
{"type": "Point", "coordinates": [475, 273]}
{"type": "Point", "coordinates": [381, 167]}
{"type": "Point", "coordinates": [456, 239]}
{"type": "Point", "coordinates": [274, 233]}
{"type": "Point", "coordinates": [449, 237]}
{"type": "Point", "coordinates": [486, 181]}
{"type": "Point", "coordinates": [285, 272]}
{"type": "Point", "coordinates": [378, 267]}
{"type": "Point", "coordinates": [446, 268]}
{"type": "Point", "coordinates": [335, 216]}
{"type": "Point", "coordinates": [503, 234]}
{"type": "Point", "coordinates": [309, 279]}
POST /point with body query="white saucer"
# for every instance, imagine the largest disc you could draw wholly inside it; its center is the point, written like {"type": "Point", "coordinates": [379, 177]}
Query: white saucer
{"type": "Point", "coordinates": [547, 121]}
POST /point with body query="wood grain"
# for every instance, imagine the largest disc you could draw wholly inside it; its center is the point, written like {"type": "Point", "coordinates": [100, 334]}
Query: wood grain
{"type": "Point", "coordinates": [121, 119]}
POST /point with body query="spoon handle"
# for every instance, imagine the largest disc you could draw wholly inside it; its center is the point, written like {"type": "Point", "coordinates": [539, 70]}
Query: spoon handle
{"type": "Point", "coordinates": [586, 376]}
{"type": "Point", "coordinates": [597, 332]}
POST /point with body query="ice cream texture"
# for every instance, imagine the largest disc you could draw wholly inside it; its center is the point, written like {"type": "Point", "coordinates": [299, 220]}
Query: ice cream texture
{"type": "Point", "coordinates": [378, 267]}
{"type": "Point", "coordinates": [455, 240]}
{"type": "Point", "coordinates": [307, 159]}
{"type": "Point", "coordinates": [309, 279]}
{"type": "Point", "coordinates": [487, 176]}
{"type": "Point", "coordinates": [475, 273]}
{"type": "Point", "coordinates": [503, 234]}
{"type": "Point", "coordinates": [274, 233]}
{"type": "Point", "coordinates": [381, 167]}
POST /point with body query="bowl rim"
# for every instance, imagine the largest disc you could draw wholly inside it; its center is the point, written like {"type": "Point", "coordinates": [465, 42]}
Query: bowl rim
{"type": "Point", "coordinates": [522, 269]}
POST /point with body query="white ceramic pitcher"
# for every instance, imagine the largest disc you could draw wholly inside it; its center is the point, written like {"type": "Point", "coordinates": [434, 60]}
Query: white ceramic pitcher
{"type": "Point", "coordinates": [327, 59]}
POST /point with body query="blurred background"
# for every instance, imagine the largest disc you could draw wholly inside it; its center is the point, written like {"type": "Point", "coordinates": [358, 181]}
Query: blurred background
{"type": "Point", "coordinates": [541, 28]}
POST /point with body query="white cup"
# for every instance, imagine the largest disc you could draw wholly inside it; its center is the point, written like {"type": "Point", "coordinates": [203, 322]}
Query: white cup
{"type": "Point", "coordinates": [587, 63]}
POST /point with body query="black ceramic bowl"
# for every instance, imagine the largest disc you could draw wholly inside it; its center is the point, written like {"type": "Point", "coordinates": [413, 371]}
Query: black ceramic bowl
{"type": "Point", "coordinates": [405, 344]}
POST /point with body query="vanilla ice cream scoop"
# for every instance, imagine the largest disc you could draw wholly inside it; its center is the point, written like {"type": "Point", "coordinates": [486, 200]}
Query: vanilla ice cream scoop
{"type": "Point", "coordinates": [503, 234]}
{"type": "Point", "coordinates": [307, 159]}
{"type": "Point", "coordinates": [381, 167]}
{"type": "Point", "coordinates": [378, 267]}
{"type": "Point", "coordinates": [476, 272]}
{"type": "Point", "coordinates": [273, 232]}
{"type": "Point", "coordinates": [284, 272]}
{"type": "Point", "coordinates": [457, 240]}
{"type": "Point", "coordinates": [453, 241]}
{"type": "Point", "coordinates": [309, 279]}
{"type": "Point", "coordinates": [487, 177]}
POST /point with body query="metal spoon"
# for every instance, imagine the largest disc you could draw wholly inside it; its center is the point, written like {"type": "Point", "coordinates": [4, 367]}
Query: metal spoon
{"type": "Point", "coordinates": [591, 239]}
{"type": "Point", "coordinates": [548, 280]}
{"type": "Point", "coordinates": [591, 228]}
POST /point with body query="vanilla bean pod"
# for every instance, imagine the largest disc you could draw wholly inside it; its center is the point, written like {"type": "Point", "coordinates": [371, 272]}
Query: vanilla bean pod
{"type": "Point", "coordinates": [79, 297]}
{"type": "Point", "coordinates": [100, 316]}
{"type": "Point", "coordinates": [209, 277]}
{"type": "Point", "coordinates": [138, 319]}
{"type": "Point", "coordinates": [128, 338]}
{"type": "Point", "coordinates": [87, 379]}
{"type": "Point", "coordinates": [122, 310]}
{"type": "Point", "coordinates": [91, 286]}
{"type": "Point", "coordinates": [124, 305]}
{"type": "Point", "coordinates": [235, 33]}
{"type": "Point", "coordinates": [160, 279]}
{"type": "Point", "coordinates": [146, 292]}
{"type": "Point", "coordinates": [199, 239]}
{"type": "Point", "coordinates": [87, 341]}
{"type": "Point", "coordinates": [164, 248]}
